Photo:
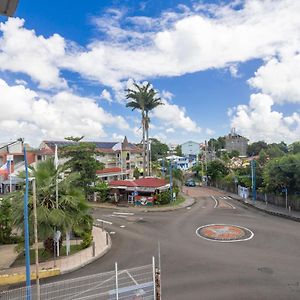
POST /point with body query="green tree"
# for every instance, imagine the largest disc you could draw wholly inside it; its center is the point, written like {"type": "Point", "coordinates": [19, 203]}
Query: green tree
{"type": "Point", "coordinates": [136, 173]}
{"type": "Point", "coordinates": [5, 221]}
{"type": "Point", "coordinates": [102, 189]}
{"type": "Point", "coordinates": [81, 159]}
{"type": "Point", "coordinates": [178, 150]}
{"type": "Point", "coordinates": [217, 170]}
{"type": "Point", "coordinates": [71, 213]}
{"type": "Point", "coordinates": [282, 172]}
{"type": "Point", "coordinates": [158, 149]}
{"type": "Point", "coordinates": [143, 98]}
{"type": "Point", "coordinates": [254, 148]}
{"type": "Point", "coordinates": [294, 148]}
{"type": "Point", "coordinates": [274, 150]}
{"type": "Point", "coordinates": [234, 153]}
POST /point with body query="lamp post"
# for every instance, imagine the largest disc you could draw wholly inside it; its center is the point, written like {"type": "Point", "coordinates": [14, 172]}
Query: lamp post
{"type": "Point", "coordinates": [26, 229]}
{"type": "Point", "coordinates": [171, 181]}
{"type": "Point", "coordinates": [253, 175]}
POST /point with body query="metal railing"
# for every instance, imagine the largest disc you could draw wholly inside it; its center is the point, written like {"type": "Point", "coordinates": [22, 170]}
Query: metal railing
{"type": "Point", "coordinates": [136, 283]}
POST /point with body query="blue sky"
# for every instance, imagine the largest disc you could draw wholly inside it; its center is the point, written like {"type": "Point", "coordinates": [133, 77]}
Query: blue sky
{"type": "Point", "coordinates": [216, 65]}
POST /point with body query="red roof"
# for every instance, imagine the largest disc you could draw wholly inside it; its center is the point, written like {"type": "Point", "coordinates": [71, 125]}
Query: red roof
{"type": "Point", "coordinates": [143, 182]}
{"type": "Point", "coordinates": [109, 170]}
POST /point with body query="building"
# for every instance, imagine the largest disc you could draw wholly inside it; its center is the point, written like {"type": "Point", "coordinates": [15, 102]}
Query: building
{"type": "Point", "coordinates": [119, 159]}
{"type": "Point", "coordinates": [236, 142]}
{"type": "Point", "coordinates": [182, 163]}
{"type": "Point", "coordinates": [190, 148]}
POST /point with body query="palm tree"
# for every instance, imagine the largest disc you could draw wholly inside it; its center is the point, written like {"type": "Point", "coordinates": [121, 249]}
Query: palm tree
{"type": "Point", "coordinates": [70, 215]}
{"type": "Point", "coordinates": [143, 99]}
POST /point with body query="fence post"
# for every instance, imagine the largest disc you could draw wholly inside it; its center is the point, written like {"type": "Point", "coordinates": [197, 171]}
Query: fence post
{"type": "Point", "coordinates": [154, 277]}
{"type": "Point", "coordinates": [117, 283]}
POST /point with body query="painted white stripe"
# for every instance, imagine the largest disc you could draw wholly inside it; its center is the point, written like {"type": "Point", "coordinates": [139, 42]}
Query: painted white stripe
{"type": "Point", "coordinates": [216, 202]}
{"type": "Point", "coordinates": [230, 205]}
{"type": "Point", "coordinates": [224, 241]}
{"type": "Point", "coordinates": [122, 226]}
{"type": "Point", "coordinates": [103, 221]}
{"type": "Point", "coordinates": [123, 213]}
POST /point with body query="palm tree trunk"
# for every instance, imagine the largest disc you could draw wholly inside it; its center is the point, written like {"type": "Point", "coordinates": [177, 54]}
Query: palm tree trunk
{"type": "Point", "coordinates": [144, 145]}
{"type": "Point", "coordinates": [147, 145]}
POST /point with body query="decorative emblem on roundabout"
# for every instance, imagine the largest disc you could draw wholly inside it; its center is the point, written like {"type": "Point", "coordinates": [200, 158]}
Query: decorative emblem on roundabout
{"type": "Point", "coordinates": [224, 233]}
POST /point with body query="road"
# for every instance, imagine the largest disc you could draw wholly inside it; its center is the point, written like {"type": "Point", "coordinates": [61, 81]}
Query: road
{"type": "Point", "coordinates": [264, 267]}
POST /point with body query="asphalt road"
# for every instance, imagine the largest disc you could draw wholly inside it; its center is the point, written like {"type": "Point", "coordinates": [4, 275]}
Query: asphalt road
{"type": "Point", "coordinates": [265, 267]}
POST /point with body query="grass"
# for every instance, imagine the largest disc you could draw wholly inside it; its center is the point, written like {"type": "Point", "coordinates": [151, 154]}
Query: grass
{"type": "Point", "coordinates": [179, 200]}
{"type": "Point", "coordinates": [43, 255]}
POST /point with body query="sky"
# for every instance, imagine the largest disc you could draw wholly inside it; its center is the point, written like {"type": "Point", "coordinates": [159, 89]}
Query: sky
{"type": "Point", "coordinates": [216, 65]}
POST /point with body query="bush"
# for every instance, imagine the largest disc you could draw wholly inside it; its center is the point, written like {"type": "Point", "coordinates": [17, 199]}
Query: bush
{"type": "Point", "coordinates": [5, 221]}
{"type": "Point", "coordinates": [87, 240]}
{"type": "Point", "coordinates": [163, 198]}
{"type": "Point", "coordinates": [102, 190]}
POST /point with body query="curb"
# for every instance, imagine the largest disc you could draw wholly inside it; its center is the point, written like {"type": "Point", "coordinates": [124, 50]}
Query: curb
{"type": "Point", "coordinates": [273, 213]}
{"type": "Point", "coordinates": [9, 279]}
{"type": "Point", "coordinates": [93, 258]}
{"type": "Point", "coordinates": [141, 209]}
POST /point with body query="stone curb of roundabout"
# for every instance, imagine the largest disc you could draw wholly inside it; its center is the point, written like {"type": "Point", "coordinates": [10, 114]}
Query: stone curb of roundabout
{"type": "Point", "coordinates": [224, 233]}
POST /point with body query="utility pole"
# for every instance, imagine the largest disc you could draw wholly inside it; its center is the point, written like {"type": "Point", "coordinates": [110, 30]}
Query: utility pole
{"type": "Point", "coordinates": [253, 176]}
{"type": "Point", "coordinates": [36, 245]}
{"type": "Point", "coordinates": [171, 181]}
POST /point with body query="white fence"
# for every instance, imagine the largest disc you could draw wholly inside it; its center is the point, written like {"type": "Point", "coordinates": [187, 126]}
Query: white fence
{"type": "Point", "coordinates": [131, 284]}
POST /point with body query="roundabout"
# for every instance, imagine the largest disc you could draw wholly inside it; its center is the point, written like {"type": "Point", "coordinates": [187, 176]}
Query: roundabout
{"type": "Point", "coordinates": [224, 233]}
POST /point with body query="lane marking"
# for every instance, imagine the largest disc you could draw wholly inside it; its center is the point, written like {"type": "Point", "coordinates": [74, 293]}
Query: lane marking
{"type": "Point", "coordinates": [188, 207]}
{"type": "Point", "coordinates": [123, 213]}
{"type": "Point", "coordinates": [122, 226]}
{"type": "Point", "coordinates": [216, 202]}
{"type": "Point", "coordinates": [103, 221]}
{"type": "Point", "coordinates": [226, 241]}
{"type": "Point", "coordinates": [233, 207]}
{"type": "Point", "coordinates": [112, 232]}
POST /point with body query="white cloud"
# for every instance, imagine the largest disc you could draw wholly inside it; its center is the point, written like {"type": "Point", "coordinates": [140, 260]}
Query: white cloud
{"type": "Point", "coordinates": [257, 121]}
{"type": "Point", "coordinates": [209, 131]}
{"type": "Point", "coordinates": [105, 95]}
{"type": "Point", "coordinates": [175, 116]}
{"type": "Point", "coordinates": [21, 50]}
{"type": "Point", "coordinates": [25, 114]}
{"type": "Point", "coordinates": [191, 41]}
{"type": "Point", "coordinates": [170, 130]}
{"type": "Point", "coordinates": [280, 78]}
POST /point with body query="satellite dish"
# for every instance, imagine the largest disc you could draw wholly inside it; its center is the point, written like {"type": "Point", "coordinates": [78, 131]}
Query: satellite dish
{"type": "Point", "coordinates": [8, 7]}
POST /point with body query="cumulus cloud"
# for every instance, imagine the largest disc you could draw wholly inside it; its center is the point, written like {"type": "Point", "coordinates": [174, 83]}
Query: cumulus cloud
{"type": "Point", "coordinates": [25, 114]}
{"type": "Point", "coordinates": [175, 116]}
{"type": "Point", "coordinates": [105, 95]}
{"type": "Point", "coordinates": [257, 121]}
{"type": "Point", "coordinates": [21, 50]}
{"type": "Point", "coordinates": [280, 78]}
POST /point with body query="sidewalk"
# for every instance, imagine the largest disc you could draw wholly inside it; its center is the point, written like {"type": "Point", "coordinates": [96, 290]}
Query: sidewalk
{"type": "Point", "coordinates": [102, 243]}
{"type": "Point", "coordinates": [268, 208]}
{"type": "Point", "coordinates": [8, 255]}
{"type": "Point", "coordinates": [189, 201]}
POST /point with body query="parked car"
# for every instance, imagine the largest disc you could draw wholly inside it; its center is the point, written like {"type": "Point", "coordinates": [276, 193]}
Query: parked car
{"type": "Point", "coordinates": [190, 182]}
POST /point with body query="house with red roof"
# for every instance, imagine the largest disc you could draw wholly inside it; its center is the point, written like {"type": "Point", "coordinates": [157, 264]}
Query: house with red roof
{"type": "Point", "coordinates": [140, 191]}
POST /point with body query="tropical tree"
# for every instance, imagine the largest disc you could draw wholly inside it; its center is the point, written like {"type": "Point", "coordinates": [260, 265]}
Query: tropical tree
{"type": "Point", "coordinates": [69, 213]}
{"type": "Point", "coordinates": [143, 98]}
{"type": "Point", "coordinates": [81, 159]}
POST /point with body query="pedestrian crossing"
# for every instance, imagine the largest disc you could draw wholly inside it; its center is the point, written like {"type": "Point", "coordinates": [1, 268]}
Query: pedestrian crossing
{"type": "Point", "coordinates": [111, 221]}
{"type": "Point", "coordinates": [222, 202]}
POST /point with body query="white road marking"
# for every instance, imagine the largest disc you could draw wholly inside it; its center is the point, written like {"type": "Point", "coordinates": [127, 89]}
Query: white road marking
{"type": "Point", "coordinates": [123, 213]}
{"type": "Point", "coordinates": [216, 202]}
{"type": "Point", "coordinates": [105, 222]}
{"type": "Point", "coordinates": [226, 241]}
{"type": "Point", "coordinates": [112, 232]}
{"type": "Point", "coordinates": [122, 226]}
{"type": "Point", "coordinates": [188, 207]}
{"type": "Point", "coordinates": [233, 207]}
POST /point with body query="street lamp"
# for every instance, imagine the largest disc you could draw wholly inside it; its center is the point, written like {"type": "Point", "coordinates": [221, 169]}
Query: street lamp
{"type": "Point", "coordinates": [8, 7]}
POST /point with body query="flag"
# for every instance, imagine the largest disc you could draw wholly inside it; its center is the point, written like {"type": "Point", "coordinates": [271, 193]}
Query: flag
{"type": "Point", "coordinates": [56, 158]}
{"type": "Point", "coordinates": [4, 169]}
